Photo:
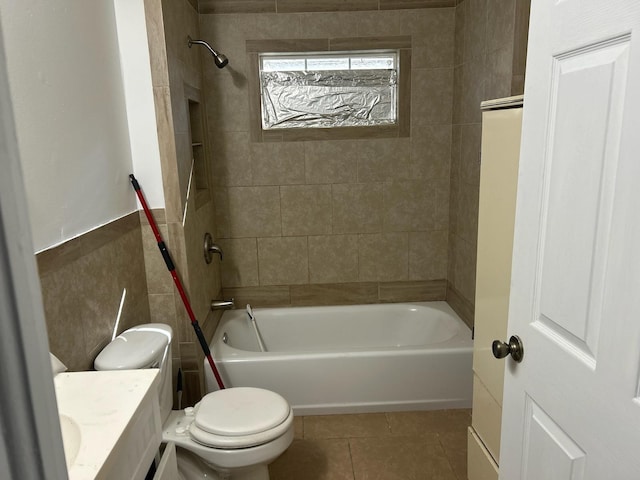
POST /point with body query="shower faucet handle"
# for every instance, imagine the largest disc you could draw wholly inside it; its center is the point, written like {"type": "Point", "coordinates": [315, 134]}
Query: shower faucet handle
{"type": "Point", "coordinates": [210, 248]}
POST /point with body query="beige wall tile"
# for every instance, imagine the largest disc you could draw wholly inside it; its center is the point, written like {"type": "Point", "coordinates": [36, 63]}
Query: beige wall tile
{"type": "Point", "coordinates": [500, 64]}
{"type": "Point", "coordinates": [228, 105]}
{"type": "Point", "coordinates": [334, 294]}
{"type": "Point", "coordinates": [431, 96]}
{"type": "Point", "coordinates": [306, 209]}
{"type": "Point", "coordinates": [277, 163]}
{"type": "Point", "coordinates": [473, 85]}
{"type": "Point", "coordinates": [333, 259]}
{"type": "Point", "coordinates": [240, 262]}
{"type": "Point", "coordinates": [162, 309]}
{"type": "Point", "coordinates": [428, 255]}
{"type": "Point", "coordinates": [470, 140]}
{"type": "Point", "coordinates": [383, 257]}
{"type": "Point", "coordinates": [409, 206]}
{"type": "Point", "coordinates": [357, 208]}
{"type": "Point", "coordinates": [430, 152]}
{"type": "Point", "coordinates": [467, 218]}
{"type": "Point", "coordinates": [325, 5]}
{"type": "Point", "coordinates": [463, 307]}
{"type": "Point", "coordinates": [475, 30]}
{"type": "Point", "coordinates": [248, 211]}
{"type": "Point", "coordinates": [521, 35]}
{"type": "Point", "coordinates": [81, 307]}
{"type": "Point", "coordinates": [266, 296]}
{"type": "Point", "coordinates": [395, 4]}
{"type": "Point", "coordinates": [283, 260]}
{"type": "Point", "coordinates": [329, 25]}
{"type": "Point", "coordinates": [231, 159]}
{"type": "Point", "coordinates": [331, 161]}
{"type": "Point", "coordinates": [236, 6]}
{"type": "Point", "coordinates": [500, 24]}
{"type": "Point", "coordinates": [460, 21]}
{"type": "Point", "coordinates": [382, 160]}
{"type": "Point", "coordinates": [377, 23]}
{"type": "Point", "coordinates": [458, 104]}
{"type": "Point", "coordinates": [412, 291]}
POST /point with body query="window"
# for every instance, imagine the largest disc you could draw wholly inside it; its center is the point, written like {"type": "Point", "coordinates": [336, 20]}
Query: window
{"type": "Point", "coordinates": [325, 90]}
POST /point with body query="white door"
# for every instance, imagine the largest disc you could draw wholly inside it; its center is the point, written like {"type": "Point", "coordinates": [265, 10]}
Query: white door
{"type": "Point", "coordinates": [572, 407]}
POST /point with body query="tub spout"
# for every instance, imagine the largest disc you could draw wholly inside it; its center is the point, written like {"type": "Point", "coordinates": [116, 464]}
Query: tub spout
{"type": "Point", "coordinates": [222, 304]}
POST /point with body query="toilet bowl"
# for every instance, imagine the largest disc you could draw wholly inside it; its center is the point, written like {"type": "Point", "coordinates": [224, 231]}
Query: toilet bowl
{"type": "Point", "coordinates": [231, 434]}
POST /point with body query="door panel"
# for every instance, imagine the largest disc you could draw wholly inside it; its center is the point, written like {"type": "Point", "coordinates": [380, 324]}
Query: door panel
{"type": "Point", "coordinates": [550, 453]}
{"type": "Point", "coordinates": [587, 98]}
{"type": "Point", "coordinates": [570, 409]}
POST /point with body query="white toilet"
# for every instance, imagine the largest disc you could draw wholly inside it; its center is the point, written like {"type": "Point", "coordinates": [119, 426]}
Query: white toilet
{"type": "Point", "coordinates": [231, 434]}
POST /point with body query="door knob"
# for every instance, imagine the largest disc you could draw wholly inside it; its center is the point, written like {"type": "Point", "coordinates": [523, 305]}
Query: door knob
{"type": "Point", "coordinates": [513, 348]}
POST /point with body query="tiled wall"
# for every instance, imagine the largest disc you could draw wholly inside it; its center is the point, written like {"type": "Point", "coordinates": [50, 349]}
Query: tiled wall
{"type": "Point", "coordinates": [176, 74]}
{"type": "Point", "coordinates": [490, 52]}
{"type": "Point", "coordinates": [82, 284]}
{"type": "Point", "coordinates": [333, 221]}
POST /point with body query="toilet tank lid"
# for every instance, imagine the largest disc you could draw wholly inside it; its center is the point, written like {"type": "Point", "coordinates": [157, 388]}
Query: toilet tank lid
{"type": "Point", "coordinates": [142, 346]}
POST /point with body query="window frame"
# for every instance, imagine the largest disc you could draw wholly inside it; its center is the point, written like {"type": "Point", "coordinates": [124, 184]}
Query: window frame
{"type": "Point", "coordinates": [401, 44]}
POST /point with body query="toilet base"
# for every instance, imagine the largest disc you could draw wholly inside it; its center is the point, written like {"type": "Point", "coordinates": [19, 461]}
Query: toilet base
{"type": "Point", "coordinates": [192, 467]}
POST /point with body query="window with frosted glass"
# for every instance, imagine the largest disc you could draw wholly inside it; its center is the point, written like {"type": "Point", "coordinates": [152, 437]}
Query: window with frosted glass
{"type": "Point", "coordinates": [320, 90]}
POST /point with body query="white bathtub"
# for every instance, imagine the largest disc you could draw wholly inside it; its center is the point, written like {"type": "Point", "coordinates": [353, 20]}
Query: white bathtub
{"type": "Point", "coordinates": [350, 359]}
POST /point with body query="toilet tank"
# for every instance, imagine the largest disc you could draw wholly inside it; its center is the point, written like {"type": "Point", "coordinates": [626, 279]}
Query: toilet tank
{"type": "Point", "coordinates": [143, 346]}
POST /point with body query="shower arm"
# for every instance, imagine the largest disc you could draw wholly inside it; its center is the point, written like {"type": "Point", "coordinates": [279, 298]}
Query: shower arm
{"type": "Point", "coordinates": [202, 42]}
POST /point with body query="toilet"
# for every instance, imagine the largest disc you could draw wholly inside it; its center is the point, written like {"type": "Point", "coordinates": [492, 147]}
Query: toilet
{"type": "Point", "coordinates": [231, 434]}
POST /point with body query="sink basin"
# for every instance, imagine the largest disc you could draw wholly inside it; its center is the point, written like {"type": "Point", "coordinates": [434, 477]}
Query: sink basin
{"type": "Point", "coordinates": [70, 438]}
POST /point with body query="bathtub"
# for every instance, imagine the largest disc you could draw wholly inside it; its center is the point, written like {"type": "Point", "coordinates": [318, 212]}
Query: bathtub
{"type": "Point", "coordinates": [349, 359]}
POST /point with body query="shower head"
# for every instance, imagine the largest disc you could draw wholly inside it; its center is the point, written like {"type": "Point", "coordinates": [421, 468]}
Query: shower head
{"type": "Point", "coordinates": [220, 60]}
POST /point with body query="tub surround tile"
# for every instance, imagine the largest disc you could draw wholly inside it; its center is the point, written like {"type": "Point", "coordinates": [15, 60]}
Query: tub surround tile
{"type": "Point", "coordinates": [332, 161]}
{"type": "Point", "coordinates": [306, 209]}
{"type": "Point", "coordinates": [236, 6]}
{"type": "Point", "coordinates": [357, 208]}
{"type": "Point", "coordinates": [463, 307]}
{"type": "Point", "coordinates": [289, 6]}
{"type": "Point", "coordinates": [431, 96]}
{"type": "Point", "coordinates": [431, 152]}
{"type": "Point", "coordinates": [428, 255]}
{"type": "Point", "coordinates": [248, 212]}
{"type": "Point", "coordinates": [265, 296]}
{"type": "Point", "coordinates": [333, 259]}
{"type": "Point", "coordinates": [409, 206]}
{"type": "Point", "coordinates": [412, 291]}
{"type": "Point", "coordinates": [346, 426]}
{"type": "Point", "coordinates": [283, 260]}
{"type": "Point", "coordinates": [232, 159]}
{"type": "Point", "coordinates": [240, 262]}
{"type": "Point", "coordinates": [162, 309]}
{"type": "Point", "coordinates": [383, 257]}
{"type": "Point", "coordinates": [384, 160]}
{"type": "Point", "coordinates": [158, 279]}
{"type": "Point", "coordinates": [334, 294]}
{"type": "Point", "coordinates": [190, 355]}
{"type": "Point", "coordinates": [278, 163]}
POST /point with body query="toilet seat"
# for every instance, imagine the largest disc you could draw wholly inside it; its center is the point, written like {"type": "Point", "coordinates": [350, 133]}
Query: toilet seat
{"type": "Point", "coordinates": [240, 417]}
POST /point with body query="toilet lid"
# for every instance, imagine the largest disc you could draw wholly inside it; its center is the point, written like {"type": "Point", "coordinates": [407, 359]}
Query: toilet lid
{"type": "Point", "coordinates": [241, 411]}
{"type": "Point", "coordinates": [240, 417]}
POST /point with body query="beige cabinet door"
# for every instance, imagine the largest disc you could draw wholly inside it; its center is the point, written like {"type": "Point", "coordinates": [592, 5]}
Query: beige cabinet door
{"type": "Point", "coordinates": [498, 180]}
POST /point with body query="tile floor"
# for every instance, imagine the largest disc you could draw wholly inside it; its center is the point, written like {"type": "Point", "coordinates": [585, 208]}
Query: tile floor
{"type": "Point", "coordinates": [429, 445]}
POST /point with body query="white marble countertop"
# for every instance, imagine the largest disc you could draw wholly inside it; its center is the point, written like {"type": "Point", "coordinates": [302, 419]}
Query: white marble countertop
{"type": "Point", "coordinates": [103, 405]}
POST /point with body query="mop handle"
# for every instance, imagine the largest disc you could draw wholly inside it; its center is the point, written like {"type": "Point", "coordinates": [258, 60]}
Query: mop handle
{"type": "Point", "coordinates": [176, 280]}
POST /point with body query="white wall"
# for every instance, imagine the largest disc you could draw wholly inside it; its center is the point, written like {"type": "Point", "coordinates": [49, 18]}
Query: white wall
{"type": "Point", "coordinates": [71, 116]}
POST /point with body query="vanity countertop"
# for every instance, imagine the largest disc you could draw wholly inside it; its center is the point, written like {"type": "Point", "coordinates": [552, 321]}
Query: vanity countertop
{"type": "Point", "coordinates": [118, 418]}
